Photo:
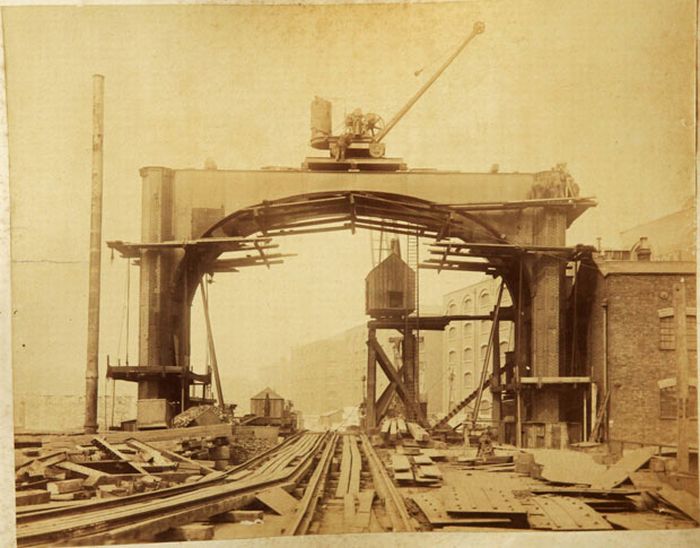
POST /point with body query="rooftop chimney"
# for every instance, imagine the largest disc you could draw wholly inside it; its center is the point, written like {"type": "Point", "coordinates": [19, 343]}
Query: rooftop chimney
{"type": "Point", "coordinates": [643, 250]}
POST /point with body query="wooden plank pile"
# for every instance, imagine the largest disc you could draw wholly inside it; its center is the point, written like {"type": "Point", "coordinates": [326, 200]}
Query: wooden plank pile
{"type": "Point", "coordinates": [106, 469]}
{"type": "Point", "coordinates": [396, 429]}
{"type": "Point", "coordinates": [418, 469]}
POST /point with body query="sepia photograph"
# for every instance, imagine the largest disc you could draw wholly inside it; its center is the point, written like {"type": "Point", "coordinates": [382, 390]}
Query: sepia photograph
{"type": "Point", "coordinates": [378, 273]}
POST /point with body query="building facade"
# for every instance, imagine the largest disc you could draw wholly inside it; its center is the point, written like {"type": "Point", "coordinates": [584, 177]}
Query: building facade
{"type": "Point", "coordinates": [465, 343]}
{"type": "Point", "coordinates": [329, 374]}
{"type": "Point", "coordinates": [631, 349]}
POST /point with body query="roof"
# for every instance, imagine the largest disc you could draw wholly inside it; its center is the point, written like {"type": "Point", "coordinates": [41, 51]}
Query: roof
{"type": "Point", "coordinates": [391, 260]}
{"type": "Point", "coordinates": [267, 392]}
{"type": "Point", "coordinates": [631, 268]}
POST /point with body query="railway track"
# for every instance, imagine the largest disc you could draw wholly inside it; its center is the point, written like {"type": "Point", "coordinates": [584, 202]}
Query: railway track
{"type": "Point", "coordinates": [141, 517]}
{"type": "Point", "coordinates": [304, 460]}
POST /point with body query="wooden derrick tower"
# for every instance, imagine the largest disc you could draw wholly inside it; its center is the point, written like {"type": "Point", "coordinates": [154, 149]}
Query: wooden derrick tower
{"type": "Point", "coordinates": [390, 299]}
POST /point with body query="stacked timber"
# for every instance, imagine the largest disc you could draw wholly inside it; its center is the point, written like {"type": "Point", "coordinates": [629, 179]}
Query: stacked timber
{"type": "Point", "coordinates": [396, 429]}
{"type": "Point", "coordinates": [418, 469]}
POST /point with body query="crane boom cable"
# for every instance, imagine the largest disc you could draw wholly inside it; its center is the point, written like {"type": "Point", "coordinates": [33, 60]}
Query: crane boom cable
{"type": "Point", "coordinates": [479, 27]}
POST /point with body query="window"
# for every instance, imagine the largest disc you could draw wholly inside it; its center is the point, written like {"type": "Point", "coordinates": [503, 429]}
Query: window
{"type": "Point", "coordinates": [396, 299]}
{"type": "Point", "coordinates": [452, 333]}
{"type": "Point", "coordinates": [451, 358]}
{"type": "Point", "coordinates": [482, 354]}
{"type": "Point", "coordinates": [451, 309]}
{"type": "Point", "coordinates": [668, 408]}
{"type": "Point", "coordinates": [468, 358]}
{"type": "Point", "coordinates": [467, 305]}
{"type": "Point", "coordinates": [468, 332]}
{"type": "Point", "coordinates": [485, 327]}
{"type": "Point", "coordinates": [484, 302]}
{"type": "Point", "coordinates": [667, 329]}
{"type": "Point", "coordinates": [468, 382]}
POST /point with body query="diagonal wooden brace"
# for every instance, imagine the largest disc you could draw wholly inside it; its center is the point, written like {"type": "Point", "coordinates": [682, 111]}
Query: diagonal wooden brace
{"type": "Point", "coordinates": [386, 397]}
{"type": "Point", "coordinates": [393, 376]}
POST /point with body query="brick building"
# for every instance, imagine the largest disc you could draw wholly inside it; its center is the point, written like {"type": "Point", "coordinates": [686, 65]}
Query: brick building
{"type": "Point", "coordinates": [628, 346]}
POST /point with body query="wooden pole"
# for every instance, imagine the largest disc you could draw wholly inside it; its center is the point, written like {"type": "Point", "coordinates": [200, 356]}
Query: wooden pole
{"type": "Point", "coordinates": [519, 360]}
{"type": "Point", "coordinates": [210, 340]}
{"type": "Point", "coordinates": [679, 313]}
{"type": "Point", "coordinates": [371, 396]}
{"type": "Point", "coordinates": [584, 436]}
{"type": "Point", "coordinates": [489, 349]}
{"type": "Point", "coordinates": [93, 329]}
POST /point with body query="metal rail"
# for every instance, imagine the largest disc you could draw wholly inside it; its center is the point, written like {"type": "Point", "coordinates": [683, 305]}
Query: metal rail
{"type": "Point", "coordinates": [395, 506]}
{"type": "Point", "coordinates": [143, 518]}
{"type": "Point", "coordinates": [314, 490]}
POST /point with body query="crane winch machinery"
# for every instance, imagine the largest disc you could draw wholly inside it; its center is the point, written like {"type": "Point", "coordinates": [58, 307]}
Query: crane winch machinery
{"type": "Point", "coordinates": [360, 145]}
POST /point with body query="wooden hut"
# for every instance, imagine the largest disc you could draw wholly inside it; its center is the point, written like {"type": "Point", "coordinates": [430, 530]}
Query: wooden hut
{"type": "Point", "coordinates": [390, 287]}
{"type": "Point", "coordinates": [267, 403]}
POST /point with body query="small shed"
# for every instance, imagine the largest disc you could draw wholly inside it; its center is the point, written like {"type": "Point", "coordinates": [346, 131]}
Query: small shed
{"type": "Point", "coordinates": [267, 403]}
{"type": "Point", "coordinates": [390, 287]}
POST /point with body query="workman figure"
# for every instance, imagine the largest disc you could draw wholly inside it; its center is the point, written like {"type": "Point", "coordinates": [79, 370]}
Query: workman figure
{"type": "Point", "coordinates": [485, 445]}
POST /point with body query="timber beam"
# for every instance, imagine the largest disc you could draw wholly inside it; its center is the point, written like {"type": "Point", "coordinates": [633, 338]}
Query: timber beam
{"type": "Point", "coordinates": [393, 375]}
{"type": "Point", "coordinates": [223, 244]}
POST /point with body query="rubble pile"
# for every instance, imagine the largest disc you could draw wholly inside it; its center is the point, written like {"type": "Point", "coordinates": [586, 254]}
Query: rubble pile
{"type": "Point", "coordinates": [190, 416]}
{"type": "Point", "coordinates": [248, 447]}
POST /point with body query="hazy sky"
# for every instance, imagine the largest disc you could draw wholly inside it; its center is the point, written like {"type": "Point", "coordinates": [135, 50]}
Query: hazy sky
{"type": "Point", "coordinates": [605, 86]}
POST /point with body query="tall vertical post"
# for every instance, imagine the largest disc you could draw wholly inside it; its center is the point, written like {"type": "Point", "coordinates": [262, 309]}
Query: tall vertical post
{"type": "Point", "coordinates": [519, 359]}
{"type": "Point", "coordinates": [409, 370]}
{"type": "Point", "coordinates": [371, 395]}
{"type": "Point", "coordinates": [679, 313]}
{"type": "Point", "coordinates": [496, 410]}
{"type": "Point", "coordinates": [210, 341]}
{"type": "Point", "coordinates": [93, 328]}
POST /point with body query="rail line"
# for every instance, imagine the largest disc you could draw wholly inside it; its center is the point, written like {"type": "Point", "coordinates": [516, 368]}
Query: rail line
{"type": "Point", "coordinates": [142, 517]}
{"type": "Point", "coordinates": [314, 491]}
{"type": "Point", "coordinates": [393, 501]}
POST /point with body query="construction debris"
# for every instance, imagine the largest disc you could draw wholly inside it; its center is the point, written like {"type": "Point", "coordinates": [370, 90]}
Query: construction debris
{"type": "Point", "coordinates": [104, 469]}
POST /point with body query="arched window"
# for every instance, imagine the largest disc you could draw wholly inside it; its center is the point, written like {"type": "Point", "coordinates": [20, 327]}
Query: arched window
{"type": "Point", "coordinates": [468, 332]}
{"type": "Point", "coordinates": [468, 383]}
{"type": "Point", "coordinates": [482, 355]}
{"type": "Point", "coordinates": [484, 302]}
{"type": "Point", "coordinates": [451, 309]}
{"type": "Point", "coordinates": [451, 358]}
{"type": "Point", "coordinates": [467, 305]}
{"type": "Point", "coordinates": [485, 308]}
{"type": "Point", "coordinates": [468, 358]}
{"type": "Point", "coordinates": [452, 333]}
